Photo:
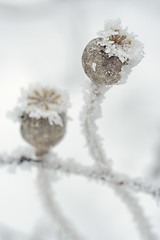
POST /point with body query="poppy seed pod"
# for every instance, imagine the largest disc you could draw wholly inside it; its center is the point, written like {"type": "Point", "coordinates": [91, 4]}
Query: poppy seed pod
{"type": "Point", "coordinates": [41, 134]}
{"type": "Point", "coordinates": [109, 58]}
{"type": "Point", "coordinates": [99, 66]}
{"type": "Point", "coordinates": [42, 112]}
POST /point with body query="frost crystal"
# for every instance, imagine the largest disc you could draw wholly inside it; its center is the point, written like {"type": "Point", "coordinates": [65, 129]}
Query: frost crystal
{"type": "Point", "coordinates": [118, 42]}
{"type": "Point", "coordinates": [41, 101]}
{"type": "Point", "coordinates": [109, 58]}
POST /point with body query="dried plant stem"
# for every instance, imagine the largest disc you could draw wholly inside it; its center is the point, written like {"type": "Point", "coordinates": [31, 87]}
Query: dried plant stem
{"type": "Point", "coordinates": [93, 96]}
{"type": "Point", "coordinates": [122, 183]}
{"type": "Point", "coordinates": [142, 222]}
{"type": "Point", "coordinates": [92, 112]}
{"type": "Point", "coordinates": [44, 185]}
{"type": "Point", "coordinates": [97, 173]}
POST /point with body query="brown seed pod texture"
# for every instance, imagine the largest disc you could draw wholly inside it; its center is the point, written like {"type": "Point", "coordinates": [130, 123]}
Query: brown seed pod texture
{"type": "Point", "coordinates": [98, 66]}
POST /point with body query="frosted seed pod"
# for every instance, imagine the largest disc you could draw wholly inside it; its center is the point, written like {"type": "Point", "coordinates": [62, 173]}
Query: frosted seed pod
{"type": "Point", "coordinates": [109, 58]}
{"type": "Point", "coordinates": [98, 65]}
{"type": "Point", "coordinates": [42, 112]}
{"type": "Point", "coordinates": [41, 134]}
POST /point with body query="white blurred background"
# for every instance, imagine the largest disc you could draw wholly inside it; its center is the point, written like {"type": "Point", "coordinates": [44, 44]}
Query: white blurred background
{"type": "Point", "coordinates": [43, 40]}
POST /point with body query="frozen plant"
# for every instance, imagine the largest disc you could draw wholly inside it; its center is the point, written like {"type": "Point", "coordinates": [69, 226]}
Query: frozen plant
{"type": "Point", "coordinates": [107, 60]}
{"type": "Point", "coordinates": [42, 113]}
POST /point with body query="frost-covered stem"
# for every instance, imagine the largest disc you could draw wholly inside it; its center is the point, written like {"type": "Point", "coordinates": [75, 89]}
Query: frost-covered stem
{"type": "Point", "coordinates": [122, 186]}
{"type": "Point", "coordinates": [142, 222]}
{"type": "Point", "coordinates": [100, 172]}
{"type": "Point", "coordinates": [93, 96]}
{"type": "Point", "coordinates": [91, 112]}
{"type": "Point", "coordinates": [44, 186]}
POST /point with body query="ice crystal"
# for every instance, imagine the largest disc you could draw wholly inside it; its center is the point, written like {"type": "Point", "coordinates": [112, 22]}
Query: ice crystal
{"type": "Point", "coordinates": [119, 42]}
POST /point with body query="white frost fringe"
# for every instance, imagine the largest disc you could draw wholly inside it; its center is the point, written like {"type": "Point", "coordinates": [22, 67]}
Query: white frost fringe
{"type": "Point", "coordinates": [93, 96]}
{"type": "Point", "coordinates": [98, 172]}
{"type": "Point", "coordinates": [131, 48]}
{"type": "Point", "coordinates": [54, 111]}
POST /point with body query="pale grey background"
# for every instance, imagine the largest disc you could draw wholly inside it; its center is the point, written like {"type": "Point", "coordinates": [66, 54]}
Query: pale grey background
{"type": "Point", "coordinates": [43, 40]}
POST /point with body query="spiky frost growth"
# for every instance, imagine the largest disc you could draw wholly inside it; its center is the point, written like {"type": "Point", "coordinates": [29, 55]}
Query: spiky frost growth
{"type": "Point", "coordinates": [109, 58]}
{"type": "Point", "coordinates": [91, 112]}
{"type": "Point", "coordinates": [41, 101]}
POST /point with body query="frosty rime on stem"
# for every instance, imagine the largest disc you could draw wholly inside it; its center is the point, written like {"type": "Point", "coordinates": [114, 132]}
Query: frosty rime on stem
{"type": "Point", "coordinates": [106, 60]}
{"type": "Point", "coordinates": [42, 112]}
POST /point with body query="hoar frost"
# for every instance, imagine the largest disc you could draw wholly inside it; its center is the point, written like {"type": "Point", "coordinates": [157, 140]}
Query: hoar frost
{"type": "Point", "coordinates": [42, 112]}
{"type": "Point", "coordinates": [41, 101]}
{"type": "Point", "coordinates": [118, 42]}
{"type": "Point", "coordinates": [109, 58]}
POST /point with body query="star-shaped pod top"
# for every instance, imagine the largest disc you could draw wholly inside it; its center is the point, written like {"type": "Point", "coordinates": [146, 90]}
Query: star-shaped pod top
{"type": "Point", "coordinates": [42, 101]}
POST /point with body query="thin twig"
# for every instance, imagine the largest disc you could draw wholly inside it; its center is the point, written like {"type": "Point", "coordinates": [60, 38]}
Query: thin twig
{"type": "Point", "coordinates": [143, 224]}
{"type": "Point", "coordinates": [93, 96]}
{"type": "Point", "coordinates": [100, 173]}
{"type": "Point", "coordinates": [91, 112]}
{"type": "Point", "coordinates": [44, 186]}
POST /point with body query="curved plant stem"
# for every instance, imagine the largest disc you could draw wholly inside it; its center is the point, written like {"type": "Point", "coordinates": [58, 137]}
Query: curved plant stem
{"type": "Point", "coordinates": [66, 229]}
{"type": "Point", "coordinates": [90, 113]}
{"type": "Point", "coordinates": [143, 224]}
{"type": "Point", "coordinates": [93, 96]}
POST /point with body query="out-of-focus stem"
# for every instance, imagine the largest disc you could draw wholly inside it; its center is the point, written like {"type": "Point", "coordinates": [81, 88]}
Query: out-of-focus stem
{"type": "Point", "coordinates": [142, 222]}
{"type": "Point", "coordinates": [44, 186]}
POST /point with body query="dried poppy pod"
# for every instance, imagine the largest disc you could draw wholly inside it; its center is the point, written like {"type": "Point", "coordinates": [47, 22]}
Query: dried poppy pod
{"type": "Point", "coordinates": [41, 134]}
{"type": "Point", "coordinates": [42, 112]}
{"type": "Point", "coordinates": [98, 66]}
{"type": "Point", "coordinates": [109, 58]}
